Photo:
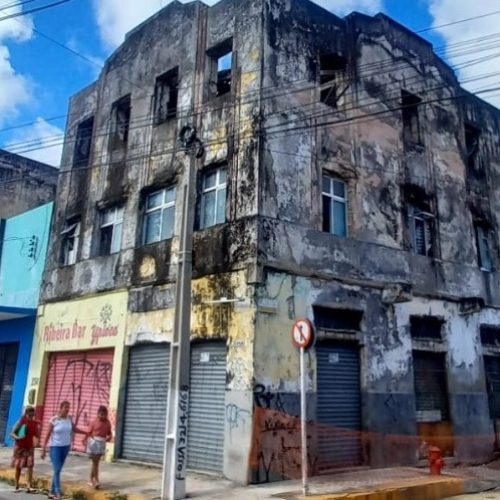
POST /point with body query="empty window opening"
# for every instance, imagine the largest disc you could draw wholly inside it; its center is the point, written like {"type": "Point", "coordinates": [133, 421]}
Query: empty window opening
{"type": "Point", "coordinates": [410, 104]}
{"type": "Point", "coordinates": [484, 246]}
{"type": "Point", "coordinates": [159, 215]}
{"type": "Point", "coordinates": [331, 74]}
{"type": "Point", "coordinates": [166, 95]}
{"type": "Point", "coordinates": [334, 194]}
{"type": "Point", "coordinates": [426, 327]}
{"type": "Point", "coordinates": [490, 335]}
{"type": "Point", "coordinates": [472, 135]}
{"type": "Point", "coordinates": [121, 121]}
{"type": "Point", "coordinates": [213, 197]}
{"type": "Point", "coordinates": [420, 222]}
{"type": "Point", "coordinates": [221, 68]}
{"type": "Point", "coordinates": [70, 237]}
{"type": "Point", "coordinates": [337, 319]}
{"type": "Point", "coordinates": [492, 373]}
{"type": "Point", "coordinates": [83, 143]}
{"type": "Point", "coordinates": [111, 231]}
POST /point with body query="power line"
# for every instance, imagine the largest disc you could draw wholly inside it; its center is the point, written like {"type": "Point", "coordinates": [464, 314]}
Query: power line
{"type": "Point", "coordinates": [431, 28]}
{"type": "Point", "coordinates": [36, 9]}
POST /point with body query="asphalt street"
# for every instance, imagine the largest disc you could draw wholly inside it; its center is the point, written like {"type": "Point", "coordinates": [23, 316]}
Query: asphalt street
{"type": "Point", "coordinates": [7, 493]}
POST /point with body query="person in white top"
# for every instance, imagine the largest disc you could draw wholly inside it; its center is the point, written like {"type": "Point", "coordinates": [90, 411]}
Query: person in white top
{"type": "Point", "coordinates": [60, 434]}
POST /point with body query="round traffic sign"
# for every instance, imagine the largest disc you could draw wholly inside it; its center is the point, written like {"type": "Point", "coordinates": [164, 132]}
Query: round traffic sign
{"type": "Point", "coordinates": [302, 334]}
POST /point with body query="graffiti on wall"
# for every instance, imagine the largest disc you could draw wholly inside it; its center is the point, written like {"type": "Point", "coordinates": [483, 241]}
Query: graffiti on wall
{"type": "Point", "coordinates": [83, 379]}
{"type": "Point", "coordinates": [276, 446]}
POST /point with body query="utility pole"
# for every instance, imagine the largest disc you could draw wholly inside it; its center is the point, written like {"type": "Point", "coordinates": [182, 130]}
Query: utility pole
{"type": "Point", "coordinates": [175, 451]}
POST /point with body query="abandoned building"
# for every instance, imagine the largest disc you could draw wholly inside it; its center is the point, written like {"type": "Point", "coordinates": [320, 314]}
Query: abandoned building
{"type": "Point", "coordinates": [24, 184]}
{"type": "Point", "coordinates": [343, 175]}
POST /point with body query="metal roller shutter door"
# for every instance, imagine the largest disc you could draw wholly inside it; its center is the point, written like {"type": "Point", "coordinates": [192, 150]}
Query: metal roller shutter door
{"type": "Point", "coordinates": [207, 407]}
{"type": "Point", "coordinates": [84, 379]}
{"type": "Point", "coordinates": [8, 363]}
{"type": "Point", "coordinates": [338, 406]}
{"type": "Point", "coordinates": [146, 403]}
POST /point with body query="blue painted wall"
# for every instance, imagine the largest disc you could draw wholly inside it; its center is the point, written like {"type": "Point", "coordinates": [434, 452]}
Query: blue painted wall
{"type": "Point", "coordinates": [22, 257]}
{"type": "Point", "coordinates": [22, 261]}
{"type": "Point", "coordinates": [21, 331]}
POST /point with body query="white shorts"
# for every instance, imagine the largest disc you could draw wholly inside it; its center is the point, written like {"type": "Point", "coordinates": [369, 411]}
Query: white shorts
{"type": "Point", "coordinates": [96, 446]}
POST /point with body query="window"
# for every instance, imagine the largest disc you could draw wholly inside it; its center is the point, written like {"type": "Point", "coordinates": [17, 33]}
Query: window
{"type": "Point", "coordinates": [120, 116]}
{"type": "Point", "coordinates": [331, 74]}
{"type": "Point", "coordinates": [472, 146]}
{"type": "Point", "coordinates": [83, 143]}
{"type": "Point", "coordinates": [334, 206]}
{"type": "Point", "coordinates": [221, 64]}
{"type": "Point", "coordinates": [159, 216]}
{"type": "Point", "coordinates": [166, 94]}
{"type": "Point", "coordinates": [483, 243]}
{"type": "Point", "coordinates": [213, 197]}
{"type": "Point", "coordinates": [411, 121]}
{"type": "Point", "coordinates": [69, 244]}
{"type": "Point", "coordinates": [111, 231]}
{"type": "Point", "coordinates": [426, 327]}
{"type": "Point", "coordinates": [490, 335]}
{"type": "Point", "coordinates": [420, 230]}
{"type": "Point", "coordinates": [337, 319]}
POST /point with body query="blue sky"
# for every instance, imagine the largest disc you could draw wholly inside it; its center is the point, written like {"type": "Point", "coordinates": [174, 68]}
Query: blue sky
{"type": "Point", "coordinates": [37, 77]}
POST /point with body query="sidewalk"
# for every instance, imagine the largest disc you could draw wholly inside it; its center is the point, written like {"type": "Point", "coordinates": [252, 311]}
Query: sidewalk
{"type": "Point", "coordinates": [143, 483]}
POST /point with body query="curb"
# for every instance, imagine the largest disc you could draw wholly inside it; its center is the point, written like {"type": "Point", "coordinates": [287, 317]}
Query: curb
{"type": "Point", "coordinates": [43, 482]}
{"type": "Point", "coordinates": [431, 489]}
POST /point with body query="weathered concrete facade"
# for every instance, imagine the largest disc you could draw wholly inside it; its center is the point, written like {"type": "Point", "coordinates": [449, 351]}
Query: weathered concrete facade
{"type": "Point", "coordinates": [24, 184]}
{"type": "Point", "coordinates": [360, 103]}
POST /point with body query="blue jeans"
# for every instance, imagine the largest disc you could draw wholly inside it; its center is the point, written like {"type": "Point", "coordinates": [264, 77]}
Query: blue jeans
{"type": "Point", "coordinates": [58, 456]}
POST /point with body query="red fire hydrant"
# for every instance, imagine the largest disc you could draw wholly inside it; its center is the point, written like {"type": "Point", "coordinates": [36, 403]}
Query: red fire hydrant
{"type": "Point", "coordinates": [436, 461]}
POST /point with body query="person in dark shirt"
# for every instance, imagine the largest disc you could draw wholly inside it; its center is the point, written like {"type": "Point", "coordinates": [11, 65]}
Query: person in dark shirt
{"type": "Point", "coordinates": [25, 433]}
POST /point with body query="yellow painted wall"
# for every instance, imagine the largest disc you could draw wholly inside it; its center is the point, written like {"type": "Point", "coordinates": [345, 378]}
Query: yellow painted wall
{"type": "Point", "coordinates": [79, 325]}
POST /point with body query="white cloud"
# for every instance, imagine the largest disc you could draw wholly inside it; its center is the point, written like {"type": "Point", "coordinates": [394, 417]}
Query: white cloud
{"type": "Point", "coordinates": [15, 89]}
{"type": "Point", "coordinates": [116, 17]}
{"type": "Point", "coordinates": [41, 141]}
{"type": "Point", "coordinates": [477, 62]}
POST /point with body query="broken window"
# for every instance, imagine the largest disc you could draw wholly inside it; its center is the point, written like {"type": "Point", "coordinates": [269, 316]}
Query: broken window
{"type": "Point", "coordinates": [331, 73]}
{"type": "Point", "coordinates": [111, 231]}
{"type": "Point", "coordinates": [159, 215]}
{"type": "Point", "coordinates": [420, 230]}
{"type": "Point", "coordinates": [490, 335]}
{"type": "Point", "coordinates": [166, 94]}
{"type": "Point", "coordinates": [484, 245]}
{"type": "Point", "coordinates": [213, 197]}
{"type": "Point", "coordinates": [334, 205]}
{"type": "Point", "coordinates": [221, 65]}
{"type": "Point", "coordinates": [337, 319]}
{"type": "Point", "coordinates": [83, 143]}
{"type": "Point", "coordinates": [120, 117]}
{"type": "Point", "coordinates": [70, 237]}
{"type": "Point", "coordinates": [472, 146]}
{"type": "Point", "coordinates": [410, 104]}
{"type": "Point", "coordinates": [426, 327]}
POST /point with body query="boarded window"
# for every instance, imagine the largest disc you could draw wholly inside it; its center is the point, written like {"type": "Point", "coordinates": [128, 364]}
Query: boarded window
{"type": "Point", "coordinates": [166, 95]}
{"type": "Point", "coordinates": [426, 327]}
{"type": "Point", "coordinates": [410, 105]}
{"type": "Point", "coordinates": [337, 319]}
{"type": "Point", "coordinates": [431, 390]}
{"type": "Point", "coordinates": [83, 143]}
{"type": "Point", "coordinates": [120, 121]}
{"type": "Point", "coordinates": [331, 75]}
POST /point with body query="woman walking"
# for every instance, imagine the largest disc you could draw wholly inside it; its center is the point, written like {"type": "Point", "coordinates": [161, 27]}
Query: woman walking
{"type": "Point", "coordinates": [60, 434]}
{"type": "Point", "coordinates": [95, 440]}
{"type": "Point", "coordinates": [25, 434]}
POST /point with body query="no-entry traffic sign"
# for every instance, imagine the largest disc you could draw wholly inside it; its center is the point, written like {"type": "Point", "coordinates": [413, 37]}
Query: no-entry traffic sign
{"type": "Point", "coordinates": [302, 334]}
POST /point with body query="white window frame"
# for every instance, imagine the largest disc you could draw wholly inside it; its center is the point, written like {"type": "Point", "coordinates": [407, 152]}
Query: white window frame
{"type": "Point", "coordinates": [415, 214]}
{"type": "Point", "coordinates": [164, 205]}
{"type": "Point", "coordinates": [218, 187]}
{"type": "Point", "coordinates": [70, 232]}
{"type": "Point", "coordinates": [116, 222]}
{"type": "Point", "coordinates": [333, 197]}
{"type": "Point", "coordinates": [483, 243]}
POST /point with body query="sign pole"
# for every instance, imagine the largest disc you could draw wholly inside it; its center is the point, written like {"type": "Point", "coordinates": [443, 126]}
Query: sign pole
{"type": "Point", "coordinates": [303, 420]}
